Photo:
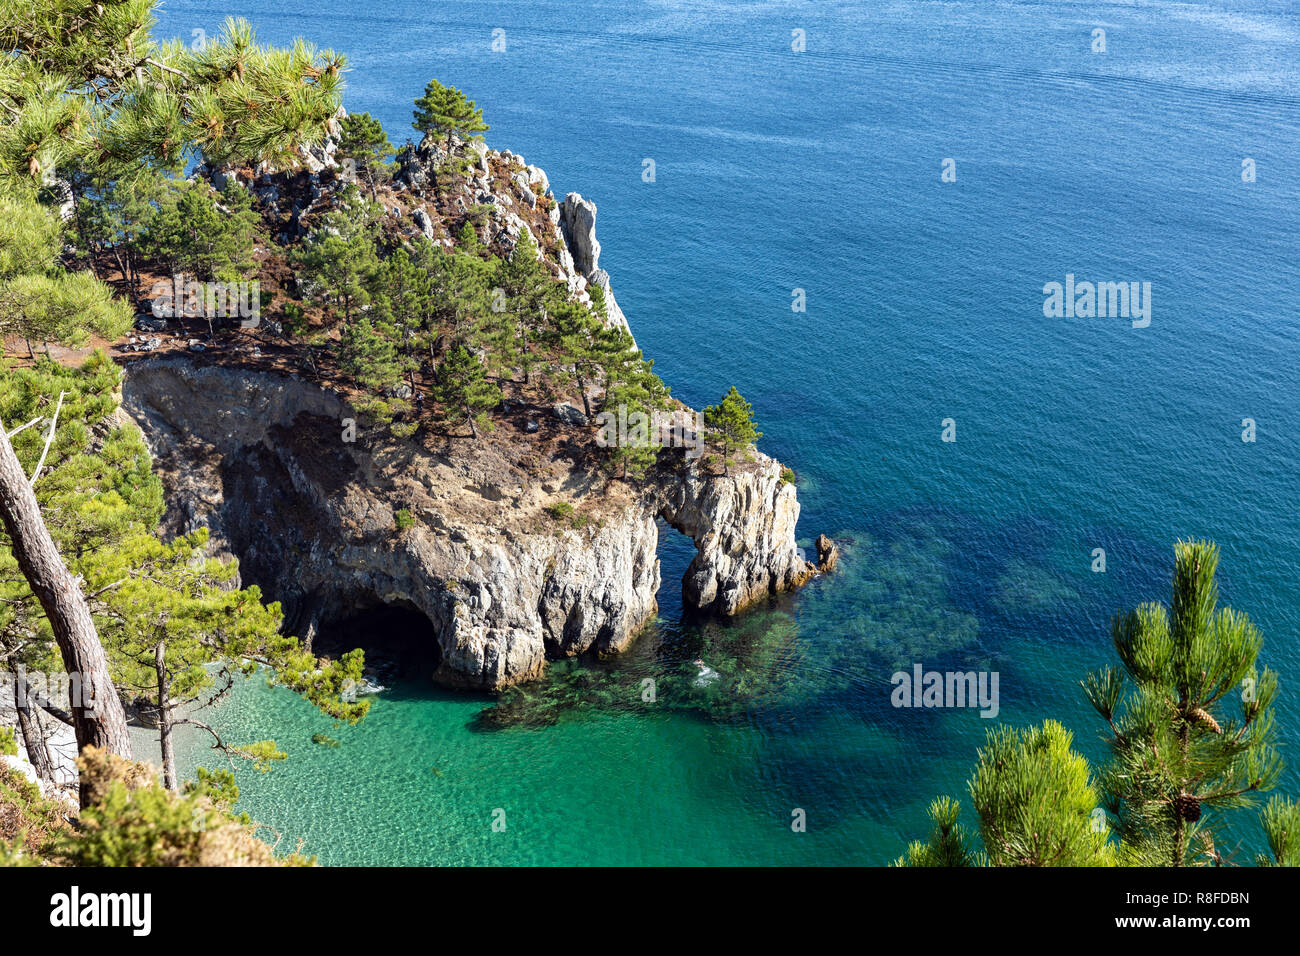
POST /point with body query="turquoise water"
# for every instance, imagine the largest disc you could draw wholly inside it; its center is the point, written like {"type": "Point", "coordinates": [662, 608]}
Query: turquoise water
{"type": "Point", "coordinates": [820, 170]}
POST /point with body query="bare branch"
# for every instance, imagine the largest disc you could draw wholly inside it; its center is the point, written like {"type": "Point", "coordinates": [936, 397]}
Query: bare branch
{"type": "Point", "coordinates": [38, 418]}
{"type": "Point", "coordinates": [54, 422]}
{"type": "Point", "coordinates": [165, 67]}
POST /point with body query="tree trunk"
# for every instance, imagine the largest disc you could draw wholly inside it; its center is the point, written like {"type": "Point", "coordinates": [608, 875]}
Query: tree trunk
{"type": "Point", "coordinates": [98, 717]}
{"type": "Point", "coordinates": [122, 267]}
{"type": "Point", "coordinates": [523, 358]}
{"type": "Point", "coordinates": [582, 387]}
{"type": "Point", "coordinates": [165, 717]}
{"type": "Point", "coordinates": [33, 738]}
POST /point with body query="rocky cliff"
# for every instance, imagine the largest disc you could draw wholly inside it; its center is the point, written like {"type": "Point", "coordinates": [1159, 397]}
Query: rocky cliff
{"type": "Point", "coordinates": [261, 459]}
{"type": "Point", "coordinates": [477, 536]}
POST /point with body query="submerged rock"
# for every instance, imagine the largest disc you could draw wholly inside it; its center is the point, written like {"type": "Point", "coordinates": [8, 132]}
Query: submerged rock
{"type": "Point", "coordinates": [828, 555]}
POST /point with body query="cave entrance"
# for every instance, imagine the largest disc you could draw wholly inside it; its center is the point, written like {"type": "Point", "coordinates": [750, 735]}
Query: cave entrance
{"type": "Point", "coordinates": [399, 641]}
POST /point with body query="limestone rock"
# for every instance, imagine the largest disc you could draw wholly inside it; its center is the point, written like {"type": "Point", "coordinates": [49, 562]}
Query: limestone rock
{"type": "Point", "coordinates": [422, 221]}
{"type": "Point", "coordinates": [569, 415]}
{"type": "Point", "coordinates": [828, 555]}
{"type": "Point", "coordinates": [743, 526]}
{"type": "Point", "coordinates": [615, 314]}
{"type": "Point", "coordinates": [578, 220]}
{"type": "Point", "coordinates": [259, 458]}
{"type": "Point", "coordinates": [537, 177]}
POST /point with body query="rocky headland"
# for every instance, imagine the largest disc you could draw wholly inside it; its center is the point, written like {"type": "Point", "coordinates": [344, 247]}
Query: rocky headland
{"type": "Point", "coordinates": [329, 516]}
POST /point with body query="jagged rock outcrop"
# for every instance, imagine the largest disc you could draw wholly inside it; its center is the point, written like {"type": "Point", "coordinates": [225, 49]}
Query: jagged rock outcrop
{"type": "Point", "coordinates": [578, 224]}
{"type": "Point", "coordinates": [578, 220]}
{"type": "Point", "coordinates": [828, 554]}
{"type": "Point", "coordinates": [260, 459]}
{"type": "Point", "coordinates": [743, 527]}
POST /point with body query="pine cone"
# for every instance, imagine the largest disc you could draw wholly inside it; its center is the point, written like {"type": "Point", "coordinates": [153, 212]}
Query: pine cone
{"type": "Point", "coordinates": [1204, 719]}
{"type": "Point", "coordinates": [1187, 807]}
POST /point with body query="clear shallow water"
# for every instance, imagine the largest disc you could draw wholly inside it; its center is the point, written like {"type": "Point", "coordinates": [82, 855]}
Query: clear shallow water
{"type": "Point", "coordinates": [820, 170]}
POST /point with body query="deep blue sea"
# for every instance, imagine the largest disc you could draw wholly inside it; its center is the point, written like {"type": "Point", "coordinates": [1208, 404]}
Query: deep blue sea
{"type": "Point", "coordinates": [820, 170]}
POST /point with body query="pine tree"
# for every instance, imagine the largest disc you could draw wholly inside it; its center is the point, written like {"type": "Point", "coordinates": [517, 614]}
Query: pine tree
{"type": "Point", "coordinates": [1178, 759]}
{"type": "Point", "coordinates": [39, 300]}
{"type": "Point", "coordinates": [1190, 717]}
{"type": "Point", "coordinates": [1281, 820]}
{"type": "Point", "coordinates": [177, 633]}
{"type": "Point", "coordinates": [949, 842]}
{"type": "Point", "coordinates": [1035, 800]}
{"type": "Point", "coordinates": [362, 139]}
{"type": "Point", "coordinates": [461, 283]}
{"type": "Point", "coordinates": [576, 336]}
{"type": "Point", "coordinates": [445, 109]}
{"type": "Point", "coordinates": [524, 284]}
{"type": "Point", "coordinates": [1036, 805]}
{"type": "Point", "coordinates": [631, 389]}
{"type": "Point", "coordinates": [93, 90]}
{"type": "Point", "coordinates": [404, 309]}
{"type": "Point", "coordinates": [463, 388]}
{"type": "Point", "coordinates": [86, 87]}
{"type": "Point", "coordinates": [730, 424]}
{"type": "Point", "coordinates": [170, 620]}
{"type": "Point", "coordinates": [337, 264]}
{"type": "Point", "coordinates": [368, 357]}
{"type": "Point", "coordinates": [201, 233]}
{"type": "Point", "coordinates": [114, 217]}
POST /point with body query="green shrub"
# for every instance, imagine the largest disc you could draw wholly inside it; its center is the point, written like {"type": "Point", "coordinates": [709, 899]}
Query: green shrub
{"type": "Point", "coordinates": [560, 510]}
{"type": "Point", "coordinates": [404, 429]}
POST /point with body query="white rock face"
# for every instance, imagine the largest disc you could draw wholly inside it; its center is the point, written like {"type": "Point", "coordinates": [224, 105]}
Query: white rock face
{"type": "Point", "coordinates": [422, 220]}
{"type": "Point", "coordinates": [22, 766]}
{"type": "Point", "coordinates": [578, 226]}
{"type": "Point", "coordinates": [578, 220]}
{"type": "Point", "coordinates": [537, 177]}
{"type": "Point", "coordinates": [481, 151]}
{"type": "Point", "coordinates": [616, 317]}
{"type": "Point", "coordinates": [258, 458]}
{"type": "Point", "coordinates": [743, 526]}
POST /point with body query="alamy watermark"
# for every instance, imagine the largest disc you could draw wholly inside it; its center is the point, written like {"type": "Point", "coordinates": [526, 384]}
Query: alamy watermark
{"type": "Point", "coordinates": [1086, 300]}
{"type": "Point", "coordinates": [636, 429]}
{"type": "Point", "coordinates": [922, 688]}
{"type": "Point", "coordinates": [39, 689]}
{"type": "Point", "coordinates": [191, 298]}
